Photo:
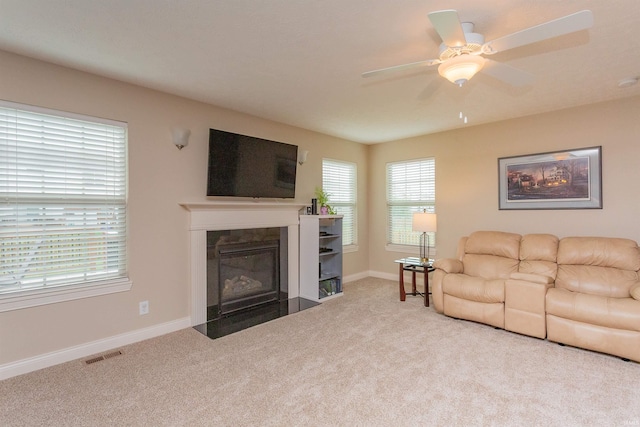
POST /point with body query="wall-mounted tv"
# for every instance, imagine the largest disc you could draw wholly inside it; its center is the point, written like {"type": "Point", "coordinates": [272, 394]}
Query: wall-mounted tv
{"type": "Point", "coordinates": [245, 166]}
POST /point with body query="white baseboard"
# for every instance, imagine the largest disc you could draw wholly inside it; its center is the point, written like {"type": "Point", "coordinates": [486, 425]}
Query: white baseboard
{"type": "Point", "coordinates": [382, 275]}
{"type": "Point", "coordinates": [370, 273]}
{"type": "Point", "coordinates": [377, 274]}
{"type": "Point", "coordinates": [31, 364]}
{"type": "Point", "coordinates": [356, 276]}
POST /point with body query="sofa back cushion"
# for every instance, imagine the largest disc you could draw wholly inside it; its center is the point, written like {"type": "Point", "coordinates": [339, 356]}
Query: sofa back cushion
{"type": "Point", "coordinates": [538, 254]}
{"type": "Point", "coordinates": [491, 254]}
{"type": "Point", "coordinates": [598, 265]}
{"type": "Point", "coordinates": [460, 250]}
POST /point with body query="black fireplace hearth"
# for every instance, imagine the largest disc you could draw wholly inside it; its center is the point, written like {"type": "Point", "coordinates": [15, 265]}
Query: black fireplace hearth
{"type": "Point", "coordinates": [244, 319]}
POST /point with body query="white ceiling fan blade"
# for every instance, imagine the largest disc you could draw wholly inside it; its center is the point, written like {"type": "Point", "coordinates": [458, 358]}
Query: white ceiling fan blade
{"type": "Point", "coordinates": [448, 26]}
{"type": "Point", "coordinates": [558, 27]}
{"type": "Point", "coordinates": [507, 73]}
{"type": "Point", "coordinates": [395, 68]}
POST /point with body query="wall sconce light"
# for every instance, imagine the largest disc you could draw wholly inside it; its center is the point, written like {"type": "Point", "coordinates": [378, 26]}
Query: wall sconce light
{"type": "Point", "coordinates": [302, 156]}
{"type": "Point", "coordinates": [180, 137]}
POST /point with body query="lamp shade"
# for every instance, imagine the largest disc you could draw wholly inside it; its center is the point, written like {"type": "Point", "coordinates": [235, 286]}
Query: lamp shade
{"type": "Point", "coordinates": [461, 68]}
{"type": "Point", "coordinates": [424, 221]}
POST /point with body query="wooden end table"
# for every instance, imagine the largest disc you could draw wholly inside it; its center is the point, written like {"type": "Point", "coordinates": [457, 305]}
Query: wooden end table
{"type": "Point", "coordinates": [415, 265]}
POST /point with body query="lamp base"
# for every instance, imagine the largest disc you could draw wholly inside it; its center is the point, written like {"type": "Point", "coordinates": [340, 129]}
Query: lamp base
{"type": "Point", "coordinates": [424, 248]}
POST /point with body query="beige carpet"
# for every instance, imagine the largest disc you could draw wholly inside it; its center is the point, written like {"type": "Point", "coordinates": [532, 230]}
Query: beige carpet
{"type": "Point", "coordinates": [365, 359]}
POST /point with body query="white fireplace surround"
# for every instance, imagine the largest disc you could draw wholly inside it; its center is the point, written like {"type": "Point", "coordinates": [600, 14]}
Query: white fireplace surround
{"type": "Point", "coordinates": [236, 215]}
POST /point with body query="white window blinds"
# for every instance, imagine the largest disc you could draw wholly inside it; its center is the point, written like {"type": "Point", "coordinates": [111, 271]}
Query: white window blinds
{"type": "Point", "coordinates": [62, 199]}
{"type": "Point", "coordinates": [339, 181]}
{"type": "Point", "coordinates": [411, 187]}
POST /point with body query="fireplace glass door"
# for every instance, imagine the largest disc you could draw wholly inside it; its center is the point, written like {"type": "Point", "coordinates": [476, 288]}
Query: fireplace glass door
{"type": "Point", "coordinates": [248, 275]}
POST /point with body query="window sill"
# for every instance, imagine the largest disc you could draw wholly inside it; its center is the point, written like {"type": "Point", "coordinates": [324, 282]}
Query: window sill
{"type": "Point", "coordinates": [31, 298]}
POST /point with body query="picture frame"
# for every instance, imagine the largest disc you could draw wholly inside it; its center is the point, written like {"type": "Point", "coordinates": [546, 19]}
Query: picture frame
{"type": "Point", "coordinates": [568, 179]}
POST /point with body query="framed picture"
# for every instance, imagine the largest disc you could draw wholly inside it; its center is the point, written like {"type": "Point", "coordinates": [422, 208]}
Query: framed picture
{"type": "Point", "coordinates": [570, 179]}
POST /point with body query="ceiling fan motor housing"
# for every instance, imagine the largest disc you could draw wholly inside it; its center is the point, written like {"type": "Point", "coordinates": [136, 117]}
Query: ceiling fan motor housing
{"type": "Point", "coordinates": [473, 45]}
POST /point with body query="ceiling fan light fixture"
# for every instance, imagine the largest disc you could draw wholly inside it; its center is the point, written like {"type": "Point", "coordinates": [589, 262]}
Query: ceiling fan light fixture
{"type": "Point", "coordinates": [461, 69]}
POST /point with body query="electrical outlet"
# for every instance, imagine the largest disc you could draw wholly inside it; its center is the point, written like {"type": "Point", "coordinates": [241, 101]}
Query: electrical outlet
{"type": "Point", "coordinates": [144, 307]}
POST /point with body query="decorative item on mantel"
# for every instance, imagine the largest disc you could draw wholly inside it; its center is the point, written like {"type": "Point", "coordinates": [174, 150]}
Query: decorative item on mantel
{"type": "Point", "coordinates": [323, 202]}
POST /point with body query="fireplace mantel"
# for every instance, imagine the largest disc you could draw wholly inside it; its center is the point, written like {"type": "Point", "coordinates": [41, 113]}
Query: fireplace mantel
{"type": "Point", "coordinates": [235, 215]}
{"type": "Point", "coordinates": [233, 204]}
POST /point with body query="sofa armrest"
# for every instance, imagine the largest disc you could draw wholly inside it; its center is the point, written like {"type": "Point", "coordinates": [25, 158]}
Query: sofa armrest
{"type": "Point", "coordinates": [534, 278]}
{"type": "Point", "coordinates": [449, 265]}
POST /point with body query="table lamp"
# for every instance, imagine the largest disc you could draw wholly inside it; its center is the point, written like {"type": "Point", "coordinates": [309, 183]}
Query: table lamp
{"type": "Point", "coordinates": [425, 222]}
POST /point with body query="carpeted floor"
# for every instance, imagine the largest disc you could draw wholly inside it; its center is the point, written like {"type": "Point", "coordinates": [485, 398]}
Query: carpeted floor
{"type": "Point", "coordinates": [365, 359]}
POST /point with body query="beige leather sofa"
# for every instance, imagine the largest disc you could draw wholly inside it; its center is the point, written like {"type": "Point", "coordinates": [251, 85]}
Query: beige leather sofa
{"type": "Point", "coordinates": [580, 291]}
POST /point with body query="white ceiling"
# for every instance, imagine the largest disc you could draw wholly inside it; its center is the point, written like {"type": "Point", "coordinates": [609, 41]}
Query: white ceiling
{"type": "Point", "coordinates": [299, 61]}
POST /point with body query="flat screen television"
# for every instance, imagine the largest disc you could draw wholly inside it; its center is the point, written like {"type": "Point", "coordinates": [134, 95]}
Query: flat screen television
{"type": "Point", "coordinates": [245, 166]}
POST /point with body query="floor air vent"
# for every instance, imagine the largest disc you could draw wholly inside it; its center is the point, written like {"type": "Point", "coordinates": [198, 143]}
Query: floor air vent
{"type": "Point", "coordinates": [112, 354]}
{"type": "Point", "coordinates": [103, 357]}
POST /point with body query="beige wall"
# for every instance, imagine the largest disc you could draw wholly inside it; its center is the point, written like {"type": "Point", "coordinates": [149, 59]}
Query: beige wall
{"type": "Point", "coordinates": [467, 176]}
{"type": "Point", "coordinates": [160, 177]}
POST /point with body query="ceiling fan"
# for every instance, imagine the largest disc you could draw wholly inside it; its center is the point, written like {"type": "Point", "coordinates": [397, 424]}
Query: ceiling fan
{"type": "Point", "coordinates": [462, 50]}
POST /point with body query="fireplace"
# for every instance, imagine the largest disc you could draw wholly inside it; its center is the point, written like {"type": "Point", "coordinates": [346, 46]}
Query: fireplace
{"type": "Point", "coordinates": [245, 268]}
{"type": "Point", "coordinates": [248, 275]}
{"type": "Point", "coordinates": [238, 215]}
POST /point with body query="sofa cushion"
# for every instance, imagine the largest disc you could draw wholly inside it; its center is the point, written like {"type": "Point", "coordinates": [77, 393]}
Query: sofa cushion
{"type": "Point", "coordinates": [594, 280]}
{"type": "Point", "coordinates": [538, 253]}
{"type": "Point", "coordinates": [635, 291]}
{"type": "Point", "coordinates": [496, 243]}
{"type": "Point", "coordinates": [598, 265]}
{"type": "Point", "coordinates": [473, 288]}
{"type": "Point", "coordinates": [491, 314]}
{"type": "Point", "coordinates": [489, 266]}
{"type": "Point", "coordinates": [460, 249]}
{"type": "Point", "coordinates": [539, 247]}
{"type": "Point", "coordinates": [616, 313]}
{"type": "Point", "coordinates": [600, 251]}
{"type": "Point", "coordinates": [491, 254]}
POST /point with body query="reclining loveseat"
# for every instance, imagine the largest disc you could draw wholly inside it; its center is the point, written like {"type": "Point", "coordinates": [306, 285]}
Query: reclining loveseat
{"type": "Point", "coordinates": [579, 291]}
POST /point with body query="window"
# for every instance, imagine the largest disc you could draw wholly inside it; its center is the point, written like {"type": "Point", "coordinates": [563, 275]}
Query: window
{"type": "Point", "coordinates": [411, 187]}
{"type": "Point", "coordinates": [339, 181]}
{"type": "Point", "coordinates": [63, 211]}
